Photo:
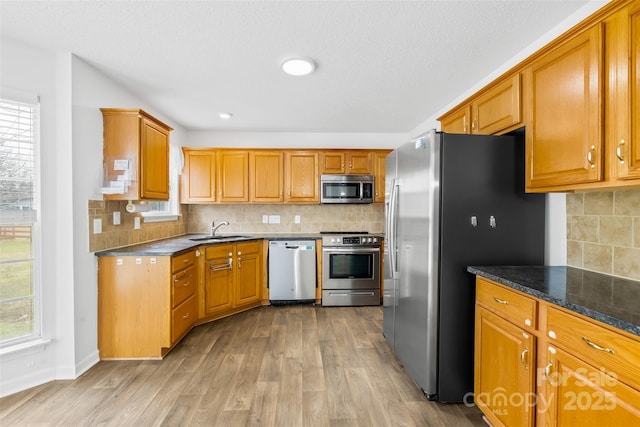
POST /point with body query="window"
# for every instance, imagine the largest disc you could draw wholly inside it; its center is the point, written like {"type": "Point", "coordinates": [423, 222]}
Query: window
{"type": "Point", "coordinates": [19, 203]}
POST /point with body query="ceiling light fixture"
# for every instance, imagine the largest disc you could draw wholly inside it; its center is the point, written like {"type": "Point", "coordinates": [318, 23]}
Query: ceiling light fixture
{"type": "Point", "coordinates": [225, 116]}
{"type": "Point", "coordinates": [298, 66]}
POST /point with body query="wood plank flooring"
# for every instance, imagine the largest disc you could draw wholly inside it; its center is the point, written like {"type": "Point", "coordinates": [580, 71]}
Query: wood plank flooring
{"type": "Point", "coordinates": [298, 365]}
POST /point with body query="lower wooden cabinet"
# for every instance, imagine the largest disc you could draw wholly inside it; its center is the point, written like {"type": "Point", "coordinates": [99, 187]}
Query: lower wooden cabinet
{"type": "Point", "coordinates": [146, 304]}
{"type": "Point", "coordinates": [568, 371]}
{"type": "Point", "coordinates": [232, 279]}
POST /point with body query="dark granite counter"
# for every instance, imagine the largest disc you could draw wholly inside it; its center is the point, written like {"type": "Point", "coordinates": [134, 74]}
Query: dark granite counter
{"type": "Point", "coordinates": [608, 299]}
{"type": "Point", "coordinates": [180, 244]}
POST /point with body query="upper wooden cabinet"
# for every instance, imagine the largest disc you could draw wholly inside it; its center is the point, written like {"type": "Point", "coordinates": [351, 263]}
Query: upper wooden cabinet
{"type": "Point", "coordinates": [495, 110]}
{"type": "Point", "coordinates": [266, 176]}
{"type": "Point", "coordinates": [233, 176]}
{"type": "Point", "coordinates": [346, 162]}
{"type": "Point", "coordinates": [198, 179]}
{"type": "Point", "coordinates": [564, 134]}
{"type": "Point", "coordinates": [622, 104]}
{"type": "Point", "coordinates": [135, 154]}
{"type": "Point", "coordinates": [380, 166]}
{"type": "Point", "coordinates": [301, 178]}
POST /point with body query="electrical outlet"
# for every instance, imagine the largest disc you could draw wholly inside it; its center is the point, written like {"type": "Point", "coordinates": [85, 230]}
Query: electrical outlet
{"type": "Point", "coordinates": [136, 223]}
{"type": "Point", "coordinates": [97, 226]}
{"type": "Point", "coordinates": [296, 219]}
{"type": "Point", "coordinates": [265, 219]}
{"type": "Point", "coordinates": [274, 219]}
{"type": "Point", "coordinates": [116, 218]}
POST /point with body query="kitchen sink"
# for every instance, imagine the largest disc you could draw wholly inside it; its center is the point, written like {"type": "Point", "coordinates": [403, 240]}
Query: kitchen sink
{"type": "Point", "coordinates": [205, 238]}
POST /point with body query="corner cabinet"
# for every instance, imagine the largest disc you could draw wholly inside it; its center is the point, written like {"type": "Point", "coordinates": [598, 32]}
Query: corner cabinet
{"type": "Point", "coordinates": [301, 177]}
{"type": "Point", "coordinates": [135, 155]}
{"type": "Point", "coordinates": [564, 135]}
{"type": "Point", "coordinates": [146, 304]}
{"type": "Point", "coordinates": [232, 279]}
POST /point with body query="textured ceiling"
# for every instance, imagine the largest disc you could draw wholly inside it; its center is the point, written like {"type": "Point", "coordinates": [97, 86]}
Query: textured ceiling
{"type": "Point", "coordinates": [382, 66]}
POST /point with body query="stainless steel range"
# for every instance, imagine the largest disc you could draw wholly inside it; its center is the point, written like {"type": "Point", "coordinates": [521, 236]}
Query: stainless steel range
{"type": "Point", "coordinates": [350, 269]}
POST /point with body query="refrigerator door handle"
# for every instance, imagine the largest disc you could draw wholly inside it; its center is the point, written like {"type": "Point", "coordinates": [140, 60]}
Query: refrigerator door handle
{"type": "Point", "coordinates": [392, 228]}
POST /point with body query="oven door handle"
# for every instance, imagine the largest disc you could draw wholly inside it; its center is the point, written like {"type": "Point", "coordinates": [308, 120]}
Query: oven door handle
{"type": "Point", "coordinates": [351, 250]}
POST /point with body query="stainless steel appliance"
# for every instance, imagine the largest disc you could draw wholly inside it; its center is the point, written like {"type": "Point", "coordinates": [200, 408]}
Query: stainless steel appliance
{"type": "Point", "coordinates": [346, 189]}
{"type": "Point", "coordinates": [451, 201]}
{"type": "Point", "coordinates": [350, 270]}
{"type": "Point", "coordinates": [292, 271]}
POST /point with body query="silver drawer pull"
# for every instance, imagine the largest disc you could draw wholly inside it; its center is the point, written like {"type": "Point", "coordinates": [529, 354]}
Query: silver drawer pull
{"type": "Point", "coordinates": [500, 301]}
{"type": "Point", "coordinates": [221, 267]}
{"type": "Point", "coordinates": [597, 347]}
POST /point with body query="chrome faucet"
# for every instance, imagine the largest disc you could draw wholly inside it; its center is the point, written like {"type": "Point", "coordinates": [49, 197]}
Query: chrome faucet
{"type": "Point", "coordinates": [215, 227]}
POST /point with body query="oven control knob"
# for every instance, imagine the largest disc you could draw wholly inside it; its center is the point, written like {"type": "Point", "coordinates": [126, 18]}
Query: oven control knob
{"type": "Point", "coordinates": [375, 240]}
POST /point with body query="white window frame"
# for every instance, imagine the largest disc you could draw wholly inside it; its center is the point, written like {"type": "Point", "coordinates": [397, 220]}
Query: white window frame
{"type": "Point", "coordinates": [35, 338]}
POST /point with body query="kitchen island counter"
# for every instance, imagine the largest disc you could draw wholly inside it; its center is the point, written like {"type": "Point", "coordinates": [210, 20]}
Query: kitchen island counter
{"type": "Point", "coordinates": [608, 299]}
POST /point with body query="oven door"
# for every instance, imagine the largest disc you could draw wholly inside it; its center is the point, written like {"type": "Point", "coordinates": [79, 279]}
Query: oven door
{"type": "Point", "coordinates": [350, 268]}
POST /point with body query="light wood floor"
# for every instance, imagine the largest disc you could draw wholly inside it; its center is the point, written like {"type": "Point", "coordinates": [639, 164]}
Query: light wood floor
{"type": "Point", "coordinates": [273, 366]}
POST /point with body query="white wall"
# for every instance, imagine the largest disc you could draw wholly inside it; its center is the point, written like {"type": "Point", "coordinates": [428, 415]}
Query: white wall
{"type": "Point", "coordinates": [294, 139]}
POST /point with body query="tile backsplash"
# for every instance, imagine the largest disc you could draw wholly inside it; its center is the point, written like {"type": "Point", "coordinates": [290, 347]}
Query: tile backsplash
{"type": "Point", "coordinates": [603, 232]}
{"type": "Point", "coordinates": [114, 236]}
{"type": "Point", "coordinates": [242, 219]}
{"type": "Point", "coordinates": [313, 218]}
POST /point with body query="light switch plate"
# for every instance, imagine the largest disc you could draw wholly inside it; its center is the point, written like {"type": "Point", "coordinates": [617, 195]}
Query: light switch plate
{"type": "Point", "coordinates": [116, 218]}
{"type": "Point", "coordinates": [97, 226]}
{"type": "Point", "coordinates": [274, 219]}
{"type": "Point", "coordinates": [296, 219]}
{"type": "Point", "coordinates": [265, 219]}
{"type": "Point", "coordinates": [136, 223]}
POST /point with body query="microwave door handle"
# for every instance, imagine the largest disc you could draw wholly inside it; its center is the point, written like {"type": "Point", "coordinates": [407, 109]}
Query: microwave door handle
{"type": "Point", "coordinates": [361, 190]}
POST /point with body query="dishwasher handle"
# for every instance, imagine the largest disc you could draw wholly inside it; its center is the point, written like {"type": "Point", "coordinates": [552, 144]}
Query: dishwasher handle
{"type": "Point", "coordinates": [292, 247]}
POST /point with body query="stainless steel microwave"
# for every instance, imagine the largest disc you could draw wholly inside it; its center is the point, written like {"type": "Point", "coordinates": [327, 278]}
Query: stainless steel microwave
{"type": "Point", "coordinates": [346, 188]}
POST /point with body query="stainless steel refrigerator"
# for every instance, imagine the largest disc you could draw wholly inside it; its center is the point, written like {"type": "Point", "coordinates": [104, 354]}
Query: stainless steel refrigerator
{"type": "Point", "coordinates": [451, 201]}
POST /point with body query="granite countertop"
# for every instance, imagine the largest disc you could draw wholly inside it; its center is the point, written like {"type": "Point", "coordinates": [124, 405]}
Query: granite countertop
{"type": "Point", "coordinates": [180, 244]}
{"type": "Point", "coordinates": [612, 300]}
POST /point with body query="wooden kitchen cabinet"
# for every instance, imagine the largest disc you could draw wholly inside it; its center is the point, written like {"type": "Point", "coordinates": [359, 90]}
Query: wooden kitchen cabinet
{"type": "Point", "coordinates": [301, 177]}
{"type": "Point", "coordinates": [495, 110]}
{"type": "Point", "coordinates": [457, 121]}
{"type": "Point", "coordinates": [622, 104]}
{"type": "Point", "coordinates": [380, 166]}
{"type": "Point", "coordinates": [580, 371]}
{"type": "Point", "coordinates": [346, 162]}
{"type": "Point", "coordinates": [198, 178]}
{"type": "Point", "coordinates": [233, 279]}
{"type": "Point", "coordinates": [146, 304]}
{"type": "Point", "coordinates": [266, 176]}
{"type": "Point", "coordinates": [233, 176]}
{"type": "Point", "coordinates": [135, 154]}
{"type": "Point", "coordinates": [504, 358]}
{"type": "Point", "coordinates": [564, 135]}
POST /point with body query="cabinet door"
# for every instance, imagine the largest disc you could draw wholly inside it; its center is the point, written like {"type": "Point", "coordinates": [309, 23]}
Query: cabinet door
{"type": "Point", "coordinates": [332, 162]}
{"type": "Point", "coordinates": [564, 134]}
{"type": "Point", "coordinates": [219, 279]}
{"type": "Point", "coordinates": [458, 121]}
{"type": "Point", "coordinates": [504, 371]}
{"type": "Point", "coordinates": [380, 164]}
{"type": "Point", "coordinates": [233, 176]}
{"type": "Point", "coordinates": [266, 181]}
{"type": "Point", "coordinates": [497, 109]}
{"type": "Point", "coordinates": [623, 98]}
{"type": "Point", "coordinates": [248, 277]}
{"type": "Point", "coordinates": [154, 161]}
{"type": "Point", "coordinates": [578, 394]}
{"type": "Point", "coordinates": [198, 179]}
{"type": "Point", "coordinates": [359, 162]}
{"type": "Point", "coordinates": [301, 177]}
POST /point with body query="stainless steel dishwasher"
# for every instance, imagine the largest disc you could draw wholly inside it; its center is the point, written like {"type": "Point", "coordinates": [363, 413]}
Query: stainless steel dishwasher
{"type": "Point", "coordinates": [292, 271]}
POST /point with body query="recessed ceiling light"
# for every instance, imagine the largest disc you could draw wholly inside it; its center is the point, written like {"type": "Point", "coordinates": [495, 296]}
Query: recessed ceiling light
{"type": "Point", "coordinates": [298, 66]}
{"type": "Point", "coordinates": [225, 116]}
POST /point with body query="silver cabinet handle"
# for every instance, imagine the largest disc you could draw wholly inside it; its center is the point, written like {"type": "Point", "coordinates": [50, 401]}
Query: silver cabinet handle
{"type": "Point", "coordinates": [221, 267]}
{"type": "Point", "coordinates": [619, 151]}
{"type": "Point", "coordinates": [547, 373]}
{"type": "Point", "coordinates": [596, 346]}
{"type": "Point", "coordinates": [523, 355]}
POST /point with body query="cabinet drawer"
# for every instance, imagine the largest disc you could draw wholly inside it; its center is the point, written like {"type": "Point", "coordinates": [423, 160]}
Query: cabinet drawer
{"type": "Point", "coordinates": [512, 305]}
{"type": "Point", "coordinates": [179, 262]}
{"type": "Point", "coordinates": [184, 285]}
{"type": "Point", "coordinates": [602, 347]}
{"type": "Point", "coordinates": [183, 317]}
